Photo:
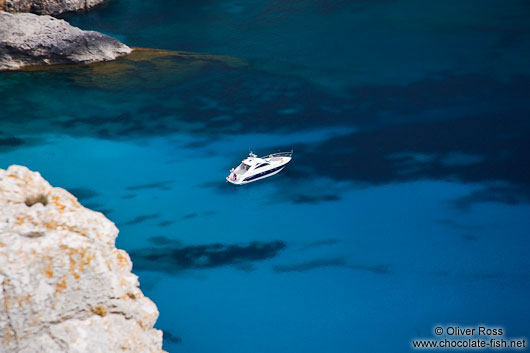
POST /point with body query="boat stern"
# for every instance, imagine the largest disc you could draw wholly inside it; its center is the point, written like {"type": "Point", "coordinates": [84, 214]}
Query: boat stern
{"type": "Point", "coordinates": [235, 179]}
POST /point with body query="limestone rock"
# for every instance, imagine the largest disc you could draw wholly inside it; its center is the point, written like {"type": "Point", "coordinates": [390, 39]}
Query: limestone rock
{"type": "Point", "coordinates": [64, 287]}
{"type": "Point", "coordinates": [31, 40]}
{"type": "Point", "coordinates": [47, 7]}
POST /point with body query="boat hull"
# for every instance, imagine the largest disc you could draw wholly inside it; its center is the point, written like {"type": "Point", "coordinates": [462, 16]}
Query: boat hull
{"type": "Point", "coordinates": [258, 176]}
{"type": "Point", "coordinates": [255, 177]}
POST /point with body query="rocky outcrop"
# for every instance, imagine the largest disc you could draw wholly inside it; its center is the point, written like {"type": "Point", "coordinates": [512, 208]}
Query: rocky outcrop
{"type": "Point", "coordinates": [31, 40]}
{"type": "Point", "coordinates": [47, 7]}
{"type": "Point", "coordinates": [64, 287]}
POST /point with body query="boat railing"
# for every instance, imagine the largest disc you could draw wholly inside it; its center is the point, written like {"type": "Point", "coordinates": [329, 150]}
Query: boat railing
{"type": "Point", "coordinates": [279, 154]}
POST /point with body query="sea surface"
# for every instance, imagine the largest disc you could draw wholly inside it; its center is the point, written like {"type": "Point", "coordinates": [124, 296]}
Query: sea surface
{"type": "Point", "coordinates": [406, 205]}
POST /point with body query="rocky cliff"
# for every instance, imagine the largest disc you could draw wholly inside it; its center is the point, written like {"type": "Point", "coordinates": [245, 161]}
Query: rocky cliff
{"type": "Point", "coordinates": [64, 287]}
{"type": "Point", "coordinates": [47, 7]}
{"type": "Point", "coordinates": [31, 40]}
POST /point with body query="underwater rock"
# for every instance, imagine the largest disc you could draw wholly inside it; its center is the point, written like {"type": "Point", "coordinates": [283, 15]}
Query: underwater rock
{"type": "Point", "coordinates": [31, 40]}
{"type": "Point", "coordinates": [64, 287]}
{"type": "Point", "coordinates": [149, 68]}
{"type": "Point", "coordinates": [47, 7]}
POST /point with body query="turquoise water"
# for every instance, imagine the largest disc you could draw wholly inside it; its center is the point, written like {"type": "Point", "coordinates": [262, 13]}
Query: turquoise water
{"type": "Point", "coordinates": [406, 205]}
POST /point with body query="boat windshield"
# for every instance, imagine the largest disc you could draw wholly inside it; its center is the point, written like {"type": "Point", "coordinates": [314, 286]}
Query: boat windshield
{"type": "Point", "coordinates": [242, 168]}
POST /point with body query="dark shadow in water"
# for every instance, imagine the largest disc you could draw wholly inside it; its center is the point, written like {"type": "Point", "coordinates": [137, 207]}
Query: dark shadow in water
{"type": "Point", "coordinates": [124, 119]}
{"type": "Point", "coordinates": [162, 185]}
{"type": "Point", "coordinates": [10, 142]}
{"type": "Point", "coordinates": [201, 143]}
{"type": "Point", "coordinates": [313, 199]}
{"type": "Point", "coordinates": [416, 138]}
{"type": "Point", "coordinates": [141, 219]}
{"type": "Point", "coordinates": [190, 215]}
{"type": "Point", "coordinates": [98, 207]}
{"type": "Point", "coordinates": [165, 223]}
{"type": "Point", "coordinates": [311, 265]}
{"type": "Point", "coordinates": [220, 186]}
{"type": "Point", "coordinates": [330, 262]}
{"type": "Point", "coordinates": [486, 149]}
{"type": "Point", "coordinates": [320, 243]}
{"type": "Point", "coordinates": [175, 257]}
{"type": "Point", "coordinates": [468, 237]}
{"type": "Point", "coordinates": [169, 337]}
{"type": "Point", "coordinates": [287, 194]}
{"type": "Point", "coordinates": [455, 225]}
{"type": "Point", "coordinates": [507, 194]}
{"type": "Point", "coordinates": [434, 128]}
{"type": "Point", "coordinates": [162, 240]}
{"type": "Point", "coordinates": [439, 94]}
{"type": "Point", "coordinates": [240, 100]}
{"type": "Point", "coordinates": [83, 193]}
{"type": "Point", "coordinates": [254, 103]}
{"type": "Point", "coordinates": [225, 100]}
{"type": "Point", "coordinates": [93, 206]}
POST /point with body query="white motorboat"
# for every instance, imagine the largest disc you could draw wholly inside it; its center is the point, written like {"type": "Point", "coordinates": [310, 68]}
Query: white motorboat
{"type": "Point", "coordinates": [255, 168]}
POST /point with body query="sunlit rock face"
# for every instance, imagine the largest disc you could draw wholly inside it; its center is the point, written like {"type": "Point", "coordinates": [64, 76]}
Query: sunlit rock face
{"type": "Point", "coordinates": [47, 7]}
{"type": "Point", "coordinates": [31, 40]}
{"type": "Point", "coordinates": [64, 287]}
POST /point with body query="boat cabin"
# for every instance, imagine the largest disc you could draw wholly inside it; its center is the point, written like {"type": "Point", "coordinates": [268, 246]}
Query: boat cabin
{"type": "Point", "coordinates": [253, 163]}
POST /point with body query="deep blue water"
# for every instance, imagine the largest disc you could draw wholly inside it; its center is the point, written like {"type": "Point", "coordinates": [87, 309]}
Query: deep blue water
{"type": "Point", "coordinates": [406, 205]}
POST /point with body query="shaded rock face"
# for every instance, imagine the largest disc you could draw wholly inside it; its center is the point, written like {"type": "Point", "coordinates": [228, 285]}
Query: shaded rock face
{"type": "Point", "coordinates": [31, 40]}
{"type": "Point", "coordinates": [47, 7]}
{"type": "Point", "coordinates": [64, 287]}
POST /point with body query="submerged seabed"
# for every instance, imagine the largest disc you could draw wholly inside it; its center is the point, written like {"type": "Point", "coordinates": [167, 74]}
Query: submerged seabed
{"type": "Point", "coordinates": [406, 204]}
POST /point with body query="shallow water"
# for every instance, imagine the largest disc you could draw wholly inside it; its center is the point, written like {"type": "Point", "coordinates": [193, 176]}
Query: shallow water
{"type": "Point", "coordinates": [405, 206]}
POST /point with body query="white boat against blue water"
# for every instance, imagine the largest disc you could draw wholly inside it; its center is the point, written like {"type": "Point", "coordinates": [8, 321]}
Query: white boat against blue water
{"type": "Point", "coordinates": [255, 168]}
